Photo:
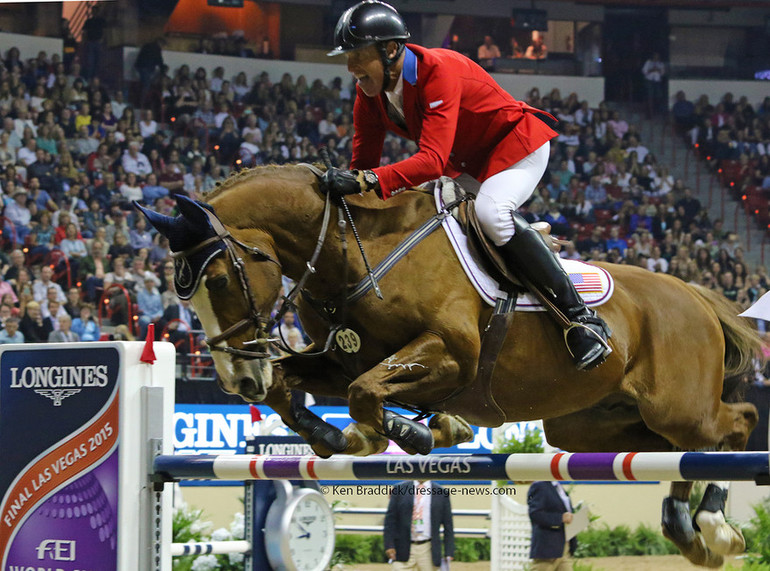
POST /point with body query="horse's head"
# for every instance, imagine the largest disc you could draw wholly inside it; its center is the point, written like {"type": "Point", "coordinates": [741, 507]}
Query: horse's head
{"type": "Point", "coordinates": [232, 285]}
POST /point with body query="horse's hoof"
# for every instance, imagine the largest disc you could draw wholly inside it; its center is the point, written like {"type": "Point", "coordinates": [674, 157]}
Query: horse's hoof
{"type": "Point", "coordinates": [721, 537]}
{"type": "Point", "coordinates": [363, 440]}
{"type": "Point", "coordinates": [696, 551]}
{"type": "Point", "coordinates": [409, 434]}
{"type": "Point", "coordinates": [455, 426]}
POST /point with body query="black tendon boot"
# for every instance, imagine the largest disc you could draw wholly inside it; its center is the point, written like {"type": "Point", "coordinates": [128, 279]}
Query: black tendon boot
{"type": "Point", "coordinates": [527, 254]}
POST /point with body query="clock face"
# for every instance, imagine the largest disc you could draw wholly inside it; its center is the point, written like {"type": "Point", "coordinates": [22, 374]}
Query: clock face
{"type": "Point", "coordinates": [311, 533]}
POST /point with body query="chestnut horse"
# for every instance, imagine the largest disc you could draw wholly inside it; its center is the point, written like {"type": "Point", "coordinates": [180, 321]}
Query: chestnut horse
{"type": "Point", "coordinates": [661, 389]}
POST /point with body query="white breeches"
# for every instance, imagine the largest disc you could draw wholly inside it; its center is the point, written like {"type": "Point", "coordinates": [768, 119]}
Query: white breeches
{"type": "Point", "coordinates": [506, 191]}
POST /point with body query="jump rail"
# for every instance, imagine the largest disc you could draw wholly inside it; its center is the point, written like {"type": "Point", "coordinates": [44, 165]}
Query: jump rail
{"type": "Point", "coordinates": [621, 466]}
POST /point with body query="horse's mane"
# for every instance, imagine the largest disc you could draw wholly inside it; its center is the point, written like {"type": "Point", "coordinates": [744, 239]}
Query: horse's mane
{"type": "Point", "coordinates": [289, 173]}
{"type": "Point", "coordinates": [297, 173]}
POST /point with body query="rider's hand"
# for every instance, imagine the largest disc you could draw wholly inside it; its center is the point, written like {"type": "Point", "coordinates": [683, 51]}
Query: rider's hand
{"type": "Point", "coordinates": [338, 182]}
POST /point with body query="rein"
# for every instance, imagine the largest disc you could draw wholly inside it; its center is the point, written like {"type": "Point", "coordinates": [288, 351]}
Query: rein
{"type": "Point", "coordinates": [264, 326]}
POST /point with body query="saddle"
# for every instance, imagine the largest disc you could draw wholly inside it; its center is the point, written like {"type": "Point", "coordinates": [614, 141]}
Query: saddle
{"type": "Point", "coordinates": [482, 247]}
{"type": "Point", "coordinates": [478, 396]}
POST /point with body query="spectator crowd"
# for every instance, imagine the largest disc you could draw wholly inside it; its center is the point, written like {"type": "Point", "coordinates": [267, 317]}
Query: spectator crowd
{"type": "Point", "coordinates": [74, 154]}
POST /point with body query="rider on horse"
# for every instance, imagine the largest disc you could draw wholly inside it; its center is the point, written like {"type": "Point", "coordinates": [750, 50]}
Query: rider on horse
{"type": "Point", "coordinates": [464, 122]}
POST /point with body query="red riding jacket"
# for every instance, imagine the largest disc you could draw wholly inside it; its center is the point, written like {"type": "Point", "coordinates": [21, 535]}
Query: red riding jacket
{"type": "Point", "coordinates": [461, 119]}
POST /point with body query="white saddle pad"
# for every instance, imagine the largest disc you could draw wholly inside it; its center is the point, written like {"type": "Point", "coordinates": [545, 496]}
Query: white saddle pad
{"type": "Point", "coordinates": [594, 284]}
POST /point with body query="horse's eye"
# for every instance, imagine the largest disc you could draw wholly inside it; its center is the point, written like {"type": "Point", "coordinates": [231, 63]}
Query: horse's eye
{"type": "Point", "coordinates": [218, 282]}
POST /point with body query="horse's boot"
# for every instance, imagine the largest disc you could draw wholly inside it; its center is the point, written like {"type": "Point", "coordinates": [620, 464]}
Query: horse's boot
{"type": "Point", "coordinates": [527, 254]}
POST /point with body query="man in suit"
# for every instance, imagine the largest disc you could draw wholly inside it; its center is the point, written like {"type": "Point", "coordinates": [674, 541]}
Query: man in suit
{"type": "Point", "coordinates": [412, 537]}
{"type": "Point", "coordinates": [549, 509]}
{"type": "Point", "coordinates": [463, 122]}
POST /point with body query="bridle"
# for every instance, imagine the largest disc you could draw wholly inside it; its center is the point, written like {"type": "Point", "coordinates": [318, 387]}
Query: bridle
{"type": "Point", "coordinates": [255, 317]}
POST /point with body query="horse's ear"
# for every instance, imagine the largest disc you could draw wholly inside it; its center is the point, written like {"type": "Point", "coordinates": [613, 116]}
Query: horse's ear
{"type": "Point", "coordinates": [160, 222]}
{"type": "Point", "coordinates": [193, 210]}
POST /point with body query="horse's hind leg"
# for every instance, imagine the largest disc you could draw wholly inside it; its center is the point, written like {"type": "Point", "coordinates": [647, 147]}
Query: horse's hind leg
{"type": "Point", "coordinates": [615, 425]}
{"type": "Point", "coordinates": [720, 536]}
{"type": "Point", "coordinates": [678, 527]}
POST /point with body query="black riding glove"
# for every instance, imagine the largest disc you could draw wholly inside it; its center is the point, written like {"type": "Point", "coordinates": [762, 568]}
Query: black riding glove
{"type": "Point", "coordinates": [338, 182]}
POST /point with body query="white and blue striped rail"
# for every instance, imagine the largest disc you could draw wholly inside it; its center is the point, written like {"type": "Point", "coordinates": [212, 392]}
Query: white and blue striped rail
{"type": "Point", "coordinates": [620, 466]}
{"type": "Point", "coordinates": [210, 548]}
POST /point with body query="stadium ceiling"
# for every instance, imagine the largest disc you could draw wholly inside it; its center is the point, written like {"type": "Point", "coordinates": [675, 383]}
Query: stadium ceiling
{"type": "Point", "coordinates": [696, 4]}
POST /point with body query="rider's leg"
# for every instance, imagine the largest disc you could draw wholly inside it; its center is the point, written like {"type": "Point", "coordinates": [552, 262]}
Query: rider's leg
{"type": "Point", "coordinates": [524, 250]}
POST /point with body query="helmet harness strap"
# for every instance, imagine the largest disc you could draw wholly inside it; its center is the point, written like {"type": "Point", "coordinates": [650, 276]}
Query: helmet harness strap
{"type": "Point", "coordinates": [387, 62]}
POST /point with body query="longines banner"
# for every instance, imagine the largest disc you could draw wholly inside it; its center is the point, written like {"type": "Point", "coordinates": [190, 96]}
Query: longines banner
{"type": "Point", "coordinates": [59, 450]}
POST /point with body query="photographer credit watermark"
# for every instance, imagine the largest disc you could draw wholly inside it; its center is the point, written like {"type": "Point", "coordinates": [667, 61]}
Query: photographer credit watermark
{"type": "Point", "coordinates": [387, 490]}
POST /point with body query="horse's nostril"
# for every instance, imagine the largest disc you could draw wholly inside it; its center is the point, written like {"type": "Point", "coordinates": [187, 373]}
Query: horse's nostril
{"type": "Point", "coordinates": [217, 282]}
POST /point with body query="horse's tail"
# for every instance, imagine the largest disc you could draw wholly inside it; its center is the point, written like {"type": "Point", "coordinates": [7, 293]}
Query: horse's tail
{"type": "Point", "coordinates": [742, 342]}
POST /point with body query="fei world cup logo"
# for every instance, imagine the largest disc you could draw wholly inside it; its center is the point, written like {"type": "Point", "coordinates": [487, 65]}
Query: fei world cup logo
{"type": "Point", "coordinates": [56, 549]}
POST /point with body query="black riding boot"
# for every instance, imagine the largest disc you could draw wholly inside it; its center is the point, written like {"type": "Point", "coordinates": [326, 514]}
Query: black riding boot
{"type": "Point", "coordinates": [527, 254]}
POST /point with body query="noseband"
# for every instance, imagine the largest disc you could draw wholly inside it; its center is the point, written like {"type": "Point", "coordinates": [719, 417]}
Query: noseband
{"type": "Point", "coordinates": [255, 318]}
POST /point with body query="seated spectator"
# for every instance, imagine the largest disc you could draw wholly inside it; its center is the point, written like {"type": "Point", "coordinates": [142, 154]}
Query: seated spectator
{"type": "Point", "coordinates": [53, 309]}
{"type": "Point", "coordinates": [93, 270]}
{"type": "Point", "coordinates": [488, 52]}
{"type": "Point", "coordinates": [592, 243]}
{"type": "Point", "coordinates": [249, 152]}
{"type": "Point", "coordinates": [11, 333]}
{"type": "Point", "coordinates": [147, 126]}
{"type": "Point", "coordinates": [33, 325]}
{"type": "Point", "coordinates": [41, 285]}
{"type": "Point", "coordinates": [64, 333]}
{"type": "Point", "coordinates": [595, 192]}
{"type": "Point", "coordinates": [73, 247]}
{"type": "Point", "coordinates": [616, 242]}
{"type": "Point", "coordinates": [287, 325]}
{"type": "Point", "coordinates": [130, 190]}
{"type": "Point", "coordinates": [141, 271]}
{"type": "Point", "coordinates": [136, 162]}
{"type": "Point", "coordinates": [85, 326]}
{"type": "Point", "coordinates": [149, 304]}
{"type": "Point", "coordinates": [618, 125]}
{"type": "Point", "coordinates": [118, 226]}
{"type": "Point", "coordinates": [559, 223]}
{"type": "Point", "coordinates": [172, 176]}
{"type": "Point", "coordinates": [139, 237]}
{"type": "Point", "coordinates": [27, 154]}
{"type": "Point", "coordinates": [537, 49]}
{"type": "Point", "coordinates": [72, 306]}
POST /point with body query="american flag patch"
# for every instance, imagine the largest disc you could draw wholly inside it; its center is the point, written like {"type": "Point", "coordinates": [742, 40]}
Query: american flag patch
{"type": "Point", "coordinates": [587, 282]}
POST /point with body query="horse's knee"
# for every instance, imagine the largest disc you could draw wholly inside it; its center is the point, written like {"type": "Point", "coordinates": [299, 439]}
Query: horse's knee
{"type": "Point", "coordinates": [737, 422]}
{"type": "Point", "coordinates": [365, 404]}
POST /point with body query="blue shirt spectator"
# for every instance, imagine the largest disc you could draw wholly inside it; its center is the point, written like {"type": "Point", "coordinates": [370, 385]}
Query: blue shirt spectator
{"type": "Point", "coordinates": [595, 192]}
{"type": "Point", "coordinates": [616, 242]}
{"type": "Point", "coordinates": [139, 237]}
{"type": "Point", "coordinates": [11, 333]}
{"type": "Point", "coordinates": [152, 191]}
{"type": "Point", "coordinates": [86, 328]}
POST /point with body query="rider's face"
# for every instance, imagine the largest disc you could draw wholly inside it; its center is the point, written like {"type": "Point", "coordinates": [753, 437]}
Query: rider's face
{"type": "Point", "coordinates": [366, 66]}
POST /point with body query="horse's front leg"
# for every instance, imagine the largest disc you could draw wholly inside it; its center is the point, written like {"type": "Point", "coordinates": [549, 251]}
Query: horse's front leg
{"type": "Point", "coordinates": [323, 438]}
{"type": "Point", "coordinates": [420, 373]}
